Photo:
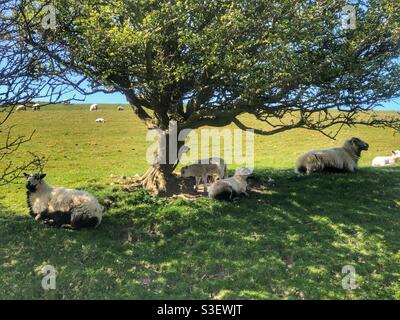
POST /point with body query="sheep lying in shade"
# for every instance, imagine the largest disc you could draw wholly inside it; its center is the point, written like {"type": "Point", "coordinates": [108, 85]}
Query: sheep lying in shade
{"type": "Point", "coordinates": [387, 161]}
{"type": "Point", "coordinates": [60, 207]}
{"type": "Point", "coordinates": [230, 188]}
{"type": "Point", "coordinates": [93, 107]}
{"type": "Point", "coordinates": [342, 159]}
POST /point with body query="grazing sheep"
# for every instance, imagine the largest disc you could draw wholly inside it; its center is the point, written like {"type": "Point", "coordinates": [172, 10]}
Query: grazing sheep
{"type": "Point", "coordinates": [20, 108]}
{"type": "Point", "coordinates": [120, 108]}
{"type": "Point", "coordinates": [229, 188]}
{"type": "Point", "coordinates": [60, 207]}
{"type": "Point", "coordinates": [101, 120]}
{"type": "Point", "coordinates": [343, 159]}
{"type": "Point", "coordinates": [36, 107]}
{"type": "Point", "coordinates": [386, 161]}
{"type": "Point", "coordinates": [93, 107]}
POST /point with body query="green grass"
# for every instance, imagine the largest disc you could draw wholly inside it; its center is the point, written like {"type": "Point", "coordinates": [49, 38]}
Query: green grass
{"type": "Point", "coordinates": [289, 242]}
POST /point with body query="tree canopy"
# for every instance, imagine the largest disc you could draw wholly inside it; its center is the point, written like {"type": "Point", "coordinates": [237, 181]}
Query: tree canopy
{"type": "Point", "coordinates": [290, 64]}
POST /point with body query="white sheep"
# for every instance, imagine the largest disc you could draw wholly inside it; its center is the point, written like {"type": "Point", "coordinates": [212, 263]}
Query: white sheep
{"type": "Point", "coordinates": [229, 188]}
{"type": "Point", "coordinates": [61, 207]}
{"type": "Point", "coordinates": [36, 107]}
{"type": "Point", "coordinates": [120, 108]}
{"type": "Point", "coordinates": [20, 108]}
{"type": "Point", "coordinates": [100, 120]}
{"type": "Point", "coordinates": [205, 168]}
{"type": "Point", "coordinates": [386, 161]}
{"type": "Point", "coordinates": [93, 107]}
{"type": "Point", "coordinates": [342, 159]}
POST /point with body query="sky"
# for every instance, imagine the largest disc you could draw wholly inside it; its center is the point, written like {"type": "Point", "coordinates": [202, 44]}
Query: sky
{"type": "Point", "coordinates": [117, 98]}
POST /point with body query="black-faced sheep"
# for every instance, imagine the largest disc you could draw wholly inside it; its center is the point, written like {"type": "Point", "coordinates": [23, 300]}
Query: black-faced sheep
{"type": "Point", "coordinates": [387, 161]}
{"type": "Point", "coordinates": [229, 188]}
{"type": "Point", "coordinates": [61, 207]}
{"type": "Point", "coordinates": [342, 159]}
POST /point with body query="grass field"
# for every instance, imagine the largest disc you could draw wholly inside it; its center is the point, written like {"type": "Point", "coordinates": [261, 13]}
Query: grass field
{"type": "Point", "coordinates": [289, 242]}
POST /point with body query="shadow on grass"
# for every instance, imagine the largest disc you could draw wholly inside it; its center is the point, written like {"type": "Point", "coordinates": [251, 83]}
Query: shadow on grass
{"type": "Point", "coordinates": [289, 242]}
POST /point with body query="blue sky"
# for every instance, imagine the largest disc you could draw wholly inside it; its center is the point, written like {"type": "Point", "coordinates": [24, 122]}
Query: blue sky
{"type": "Point", "coordinates": [117, 98]}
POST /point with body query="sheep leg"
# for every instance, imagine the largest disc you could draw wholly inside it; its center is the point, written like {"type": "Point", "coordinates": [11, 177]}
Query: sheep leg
{"type": "Point", "coordinates": [197, 183]}
{"type": "Point", "coordinates": [232, 194]}
{"type": "Point", "coordinates": [67, 226]}
{"type": "Point", "coordinates": [205, 182]}
{"type": "Point", "coordinates": [57, 219]}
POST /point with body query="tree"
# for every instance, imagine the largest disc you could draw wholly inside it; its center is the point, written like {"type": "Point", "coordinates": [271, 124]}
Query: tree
{"type": "Point", "coordinates": [24, 76]}
{"type": "Point", "coordinates": [290, 64]}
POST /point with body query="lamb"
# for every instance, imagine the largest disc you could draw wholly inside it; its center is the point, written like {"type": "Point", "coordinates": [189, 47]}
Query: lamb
{"type": "Point", "coordinates": [101, 120]}
{"type": "Point", "coordinates": [120, 108]}
{"type": "Point", "coordinates": [342, 159]}
{"type": "Point", "coordinates": [20, 108]}
{"type": "Point", "coordinates": [60, 207]}
{"type": "Point", "coordinates": [386, 161]}
{"type": "Point", "coordinates": [200, 172]}
{"type": "Point", "coordinates": [196, 171]}
{"type": "Point", "coordinates": [93, 107]}
{"type": "Point", "coordinates": [229, 188]}
{"type": "Point", "coordinates": [220, 162]}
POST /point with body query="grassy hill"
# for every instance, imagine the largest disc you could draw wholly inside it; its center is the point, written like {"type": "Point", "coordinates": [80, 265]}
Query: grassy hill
{"type": "Point", "coordinates": [289, 242]}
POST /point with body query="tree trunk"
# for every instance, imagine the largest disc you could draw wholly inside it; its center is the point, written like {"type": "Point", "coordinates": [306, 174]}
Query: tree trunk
{"type": "Point", "coordinates": [159, 178]}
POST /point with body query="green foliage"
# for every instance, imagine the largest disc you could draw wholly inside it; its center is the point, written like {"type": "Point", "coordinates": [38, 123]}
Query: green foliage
{"type": "Point", "coordinates": [224, 58]}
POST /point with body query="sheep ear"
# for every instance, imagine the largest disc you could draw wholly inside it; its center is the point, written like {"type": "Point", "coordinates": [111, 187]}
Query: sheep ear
{"type": "Point", "coordinates": [42, 176]}
{"type": "Point", "coordinates": [393, 152]}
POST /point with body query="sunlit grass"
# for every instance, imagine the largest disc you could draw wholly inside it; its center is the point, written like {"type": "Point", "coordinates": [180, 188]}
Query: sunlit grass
{"type": "Point", "coordinates": [290, 242]}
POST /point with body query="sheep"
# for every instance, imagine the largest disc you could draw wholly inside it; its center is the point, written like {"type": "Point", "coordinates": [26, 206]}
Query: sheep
{"type": "Point", "coordinates": [36, 107]}
{"type": "Point", "coordinates": [229, 188]}
{"type": "Point", "coordinates": [201, 172]}
{"type": "Point", "coordinates": [386, 161]}
{"type": "Point", "coordinates": [20, 108]}
{"type": "Point", "coordinates": [120, 108]}
{"type": "Point", "coordinates": [61, 207]}
{"type": "Point", "coordinates": [223, 168]}
{"type": "Point", "coordinates": [101, 120]}
{"type": "Point", "coordinates": [93, 107]}
{"type": "Point", "coordinates": [342, 159]}
{"type": "Point", "coordinates": [196, 171]}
